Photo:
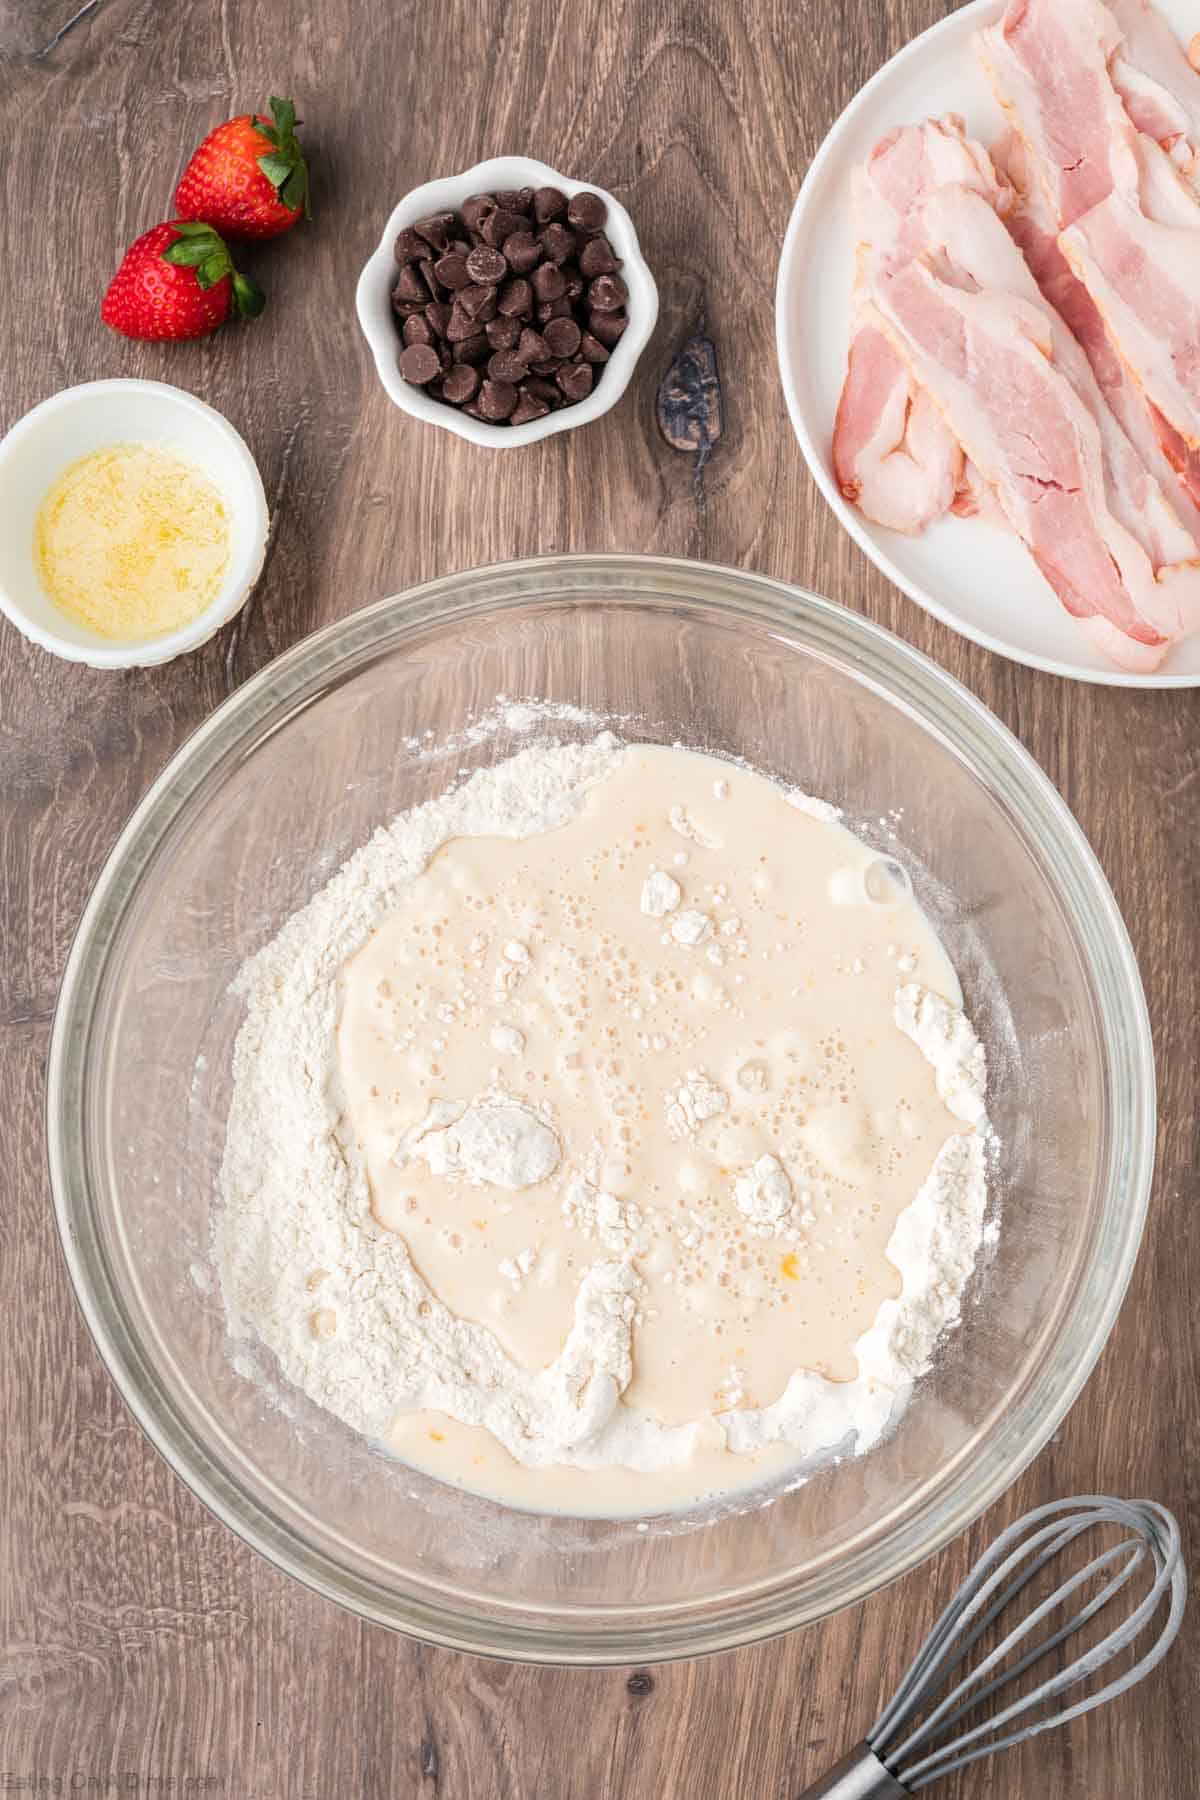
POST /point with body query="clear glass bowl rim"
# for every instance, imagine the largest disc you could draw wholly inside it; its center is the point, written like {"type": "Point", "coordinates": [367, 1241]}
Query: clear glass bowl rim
{"type": "Point", "coordinates": [616, 1635]}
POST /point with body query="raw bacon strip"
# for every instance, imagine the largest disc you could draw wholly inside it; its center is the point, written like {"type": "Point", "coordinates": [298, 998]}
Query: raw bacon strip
{"type": "Point", "coordinates": [892, 454]}
{"type": "Point", "coordinates": [1035, 230]}
{"type": "Point", "coordinates": [1019, 395]}
{"type": "Point", "coordinates": [1145, 280]}
{"type": "Point", "coordinates": [977, 251]}
{"type": "Point", "coordinates": [1047, 61]}
{"type": "Point", "coordinates": [978, 357]}
{"type": "Point", "coordinates": [1158, 85]}
{"type": "Point", "coordinates": [1131, 228]}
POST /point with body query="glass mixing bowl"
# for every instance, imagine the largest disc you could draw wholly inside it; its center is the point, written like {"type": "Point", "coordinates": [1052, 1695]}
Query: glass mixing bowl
{"type": "Point", "coordinates": [286, 779]}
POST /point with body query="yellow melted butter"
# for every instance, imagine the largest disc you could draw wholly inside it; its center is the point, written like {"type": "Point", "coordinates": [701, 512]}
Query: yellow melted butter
{"type": "Point", "coordinates": [132, 541]}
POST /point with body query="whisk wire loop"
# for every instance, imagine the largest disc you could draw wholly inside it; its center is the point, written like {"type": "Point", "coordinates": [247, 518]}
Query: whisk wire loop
{"type": "Point", "coordinates": [1044, 1648]}
{"type": "Point", "coordinates": [1015, 1560]}
{"type": "Point", "coordinates": [1023, 1630]}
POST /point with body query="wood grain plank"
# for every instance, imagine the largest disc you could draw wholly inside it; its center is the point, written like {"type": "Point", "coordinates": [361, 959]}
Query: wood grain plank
{"type": "Point", "coordinates": [135, 1633]}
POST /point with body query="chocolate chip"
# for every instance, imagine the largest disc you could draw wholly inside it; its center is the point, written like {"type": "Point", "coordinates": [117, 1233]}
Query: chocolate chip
{"type": "Point", "coordinates": [476, 210]}
{"type": "Point", "coordinates": [419, 364]}
{"type": "Point", "coordinates": [474, 349]}
{"type": "Point", "coordinates": [498, 226]}
{"type": "Point", "coordinates": [460, 383]}
{"type": "Point", "coordinates": [553, 309]}
{"type": "Point", "coordinates": [409, 247]}
{"type": "Point", "coordinates": [574, 285]}
{"type": "Point", "coordinates": [435, 229]}
{"type": "Point", "coordinates": [472, 409]}
{"type": "Point", "coordinates": [497, 400]}
{"type": "Point", "coordinates": [607, 293]}
{"type": "Point", "coordinates": [522, 252]}
{"type": "Point", "coordinates": [575, 380]}
{"type": "Point", "coordinates": [587, 211]}
{"type": "Point", "coordinates": [451, 271]}
{"type": "Point", "coordinates": [551, 366]}
{"type": "Point", "coordinates": [557, 243]}
{"type": "Point", "coordinates": [548, 282]}
{"type": "Point", "coordinates": [502, 333]}
{"type": "Point", "coordinates": [518, 200]}
{"type": "Point", "coordinates": [506, 365]}
{"type": "Point", "coordinates": [461, 325]}
{"type": "Point", "coordinates": [591, 349]}
{"type": "Point", "coordinates": [430, 279]}
{"type": "Point", "coordinates": [486, 265]}
{"type": "Point", "coordinates": [458, 247]}
{"type": "Point", "coordinates": [596, 258]}
{"type": "Point", "coordinates": [532, 346]}
{"type": "Point", "coordinates": [417, 330]}
{"type": "Point", "coordinates": [607, 326]}
{"type": "Point", "coordinates": [438, 314]}
{"type": "Point", "coordinates": [404, 309]}
{"type": "Point", "coordinates": [563, 336]}
{"type": "Point", "coordinates": [549, 203]}
{"type": "Point", "coordinates": [477, 302]}
{"type": "Point", "coordinates": [528, 407]}
{"type": "Point", "coordinates": [409, 285]}
{"type": "Point", "coordinates": [516, 298]}
{"type": "Point", "coordinates": [546, 391]}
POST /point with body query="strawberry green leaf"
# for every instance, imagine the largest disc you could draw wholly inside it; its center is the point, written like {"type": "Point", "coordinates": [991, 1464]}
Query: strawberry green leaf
{"type": "Point", "coordinates": [284, 165]}
{"type": "Point", "coordinates": [248, 297]}
{"type": "Point", "coordinates": [197, 246]}
{"type": "Point", "coordinates": [294, 192]}
{"type": "Point", "coordinates": [189, 253]}
{"type": "Point", "coordinates": [276, 168]}
{"type": "Point", "coordinates": [284, 114]}
{"type": "Point", "coordinates": [214, 268]}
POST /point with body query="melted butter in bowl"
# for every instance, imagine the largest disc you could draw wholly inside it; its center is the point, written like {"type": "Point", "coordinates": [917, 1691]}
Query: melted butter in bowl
{"type": "Point", "coordinates": [133, 523]}
{"type": "Point", "coordinates": [132, 541]}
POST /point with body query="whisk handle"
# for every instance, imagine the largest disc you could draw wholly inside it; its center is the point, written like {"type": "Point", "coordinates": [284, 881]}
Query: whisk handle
{"type": "Point", "coordinates": [859, 1776]}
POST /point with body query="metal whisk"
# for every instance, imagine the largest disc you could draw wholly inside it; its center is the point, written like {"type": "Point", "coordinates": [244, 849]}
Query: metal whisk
{"type": "Point", "coordinates": [917, 1737]}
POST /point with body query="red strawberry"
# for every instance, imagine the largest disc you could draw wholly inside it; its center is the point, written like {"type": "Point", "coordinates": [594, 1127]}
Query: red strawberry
{"type": "Point", "coordinates": [249, 177]}
{"type": "Point", "coordinates": [177, 281]}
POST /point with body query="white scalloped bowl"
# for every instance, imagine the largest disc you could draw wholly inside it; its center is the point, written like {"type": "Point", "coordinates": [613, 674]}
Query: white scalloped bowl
{"type": "Point", "coordinates": [374, 302]}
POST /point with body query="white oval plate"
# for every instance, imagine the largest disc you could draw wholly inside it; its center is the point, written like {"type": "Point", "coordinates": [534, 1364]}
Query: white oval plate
{"type": "Point", "coordinates": [975, 577]}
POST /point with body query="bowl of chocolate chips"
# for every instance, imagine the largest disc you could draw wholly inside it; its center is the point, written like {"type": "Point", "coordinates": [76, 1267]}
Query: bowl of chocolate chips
{"type": "Point", "coordinates": [507, 302]}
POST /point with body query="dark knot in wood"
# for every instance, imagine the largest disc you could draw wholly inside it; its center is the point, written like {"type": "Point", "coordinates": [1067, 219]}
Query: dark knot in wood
{"type": "Point", "coordinates": [689, 400]}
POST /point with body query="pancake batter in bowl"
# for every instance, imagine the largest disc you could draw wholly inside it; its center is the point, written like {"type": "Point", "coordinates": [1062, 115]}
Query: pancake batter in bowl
{"type": "Point", "coordinates": [607, 1135]}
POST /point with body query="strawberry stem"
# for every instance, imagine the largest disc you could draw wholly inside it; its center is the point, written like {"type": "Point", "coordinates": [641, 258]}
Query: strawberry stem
{"type": "Point", "coordinates": [197, 246]}
{"type": "Point", "coordinates": [283, 164]}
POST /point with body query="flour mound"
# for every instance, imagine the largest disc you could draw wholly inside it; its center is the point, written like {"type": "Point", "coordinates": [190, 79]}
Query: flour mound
{"type": "Point", "coordinates": [303, 1263]}
{"type": "Point", "coordinates": [495, 1142]}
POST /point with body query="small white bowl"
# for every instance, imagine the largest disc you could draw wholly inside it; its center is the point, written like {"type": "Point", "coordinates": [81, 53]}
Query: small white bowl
{"type": "Point", "coordinates": [89, 417]}
{"type": "Point", "coordinates": [374, 302]}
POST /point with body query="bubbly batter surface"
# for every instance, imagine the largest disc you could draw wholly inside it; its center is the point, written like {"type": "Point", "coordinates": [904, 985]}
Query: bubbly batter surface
{"type": "Point", "coordinates": [662, 1033]}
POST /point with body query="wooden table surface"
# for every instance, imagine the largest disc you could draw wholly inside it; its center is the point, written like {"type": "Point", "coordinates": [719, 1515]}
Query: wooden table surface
{"type": "Point", "coordinates": [140, 1642]}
